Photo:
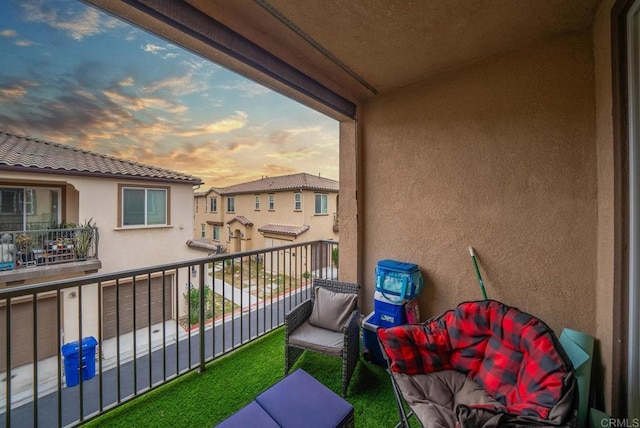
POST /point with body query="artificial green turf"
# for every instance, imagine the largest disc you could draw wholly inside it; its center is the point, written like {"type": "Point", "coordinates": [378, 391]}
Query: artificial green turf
{"type": "Point", "coordinates": [228, 384]}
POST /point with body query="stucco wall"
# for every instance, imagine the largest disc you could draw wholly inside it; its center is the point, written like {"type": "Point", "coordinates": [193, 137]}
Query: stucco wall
{"type": "Point", "coordinates": [499, 155]}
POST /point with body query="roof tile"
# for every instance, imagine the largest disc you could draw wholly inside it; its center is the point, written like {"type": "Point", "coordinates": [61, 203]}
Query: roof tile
{"type": "Point", "coordinates": [25, 152]}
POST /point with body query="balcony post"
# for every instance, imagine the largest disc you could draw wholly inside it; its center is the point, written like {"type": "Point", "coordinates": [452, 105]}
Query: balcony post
{"type": "Point", "coordinates": [202, 286]}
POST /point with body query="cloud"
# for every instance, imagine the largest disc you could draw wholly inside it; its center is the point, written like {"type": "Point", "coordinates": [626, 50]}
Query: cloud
{"type": "Point", "coordinates": [247, 88]}
{"type": "Point", "coordinates": [16, 90]}
{"type": "Point", "coordinates": [152, 48]}
{"type": "Point", "coordinates": [283, 136]}
{"type": "Point", "coordinates": [178, 85]}
{"type": "Point", "coordinates": [134, 103]}
{"type": "Point", "coordinates": [222, 126]}
{"type": "Point", "coordinates": [77, 24]}
{"type": "Point", "coordinates": [24, 43]}
{"type": "Point", "coordinates": [8, 33]}
{"type": "Point", "coordinates": [293, 155]}
{"type": "Point", "coordinates": [127, 81]}
{"type": "Point", "coordinates": [164, 52]}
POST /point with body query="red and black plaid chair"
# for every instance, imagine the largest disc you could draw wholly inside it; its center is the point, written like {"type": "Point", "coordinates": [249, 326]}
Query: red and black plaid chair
{"type": "Point", "coordinates": [483, 364]}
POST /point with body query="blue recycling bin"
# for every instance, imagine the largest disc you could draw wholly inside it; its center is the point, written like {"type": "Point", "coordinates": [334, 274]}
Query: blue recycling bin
{"type": "Point", "coordinates": [72, 366]}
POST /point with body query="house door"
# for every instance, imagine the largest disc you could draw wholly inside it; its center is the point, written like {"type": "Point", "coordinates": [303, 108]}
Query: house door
{"type": "Point", "coordinates": [22, 338]}
{"type": "Point", "coordinates": [633, 70]}
{"type": "Point", "coordinates": [123, 300]}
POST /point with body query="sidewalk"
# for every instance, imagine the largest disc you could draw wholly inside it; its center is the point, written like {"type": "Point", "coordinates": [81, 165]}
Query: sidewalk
{"type": "Point", "coordinates": [22, 384]}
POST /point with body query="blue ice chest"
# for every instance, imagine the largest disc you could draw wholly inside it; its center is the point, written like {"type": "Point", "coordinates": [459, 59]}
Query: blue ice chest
{"type": "Point", "coordinates": [388, 314]}
{"type": "Point", "coordinates": [72, 367]}
{"type": "Point", "coordinates": [370, 345]}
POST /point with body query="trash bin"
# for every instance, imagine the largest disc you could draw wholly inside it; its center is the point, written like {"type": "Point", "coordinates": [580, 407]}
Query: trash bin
{"type": "Point", "coordinates": [72, 366]}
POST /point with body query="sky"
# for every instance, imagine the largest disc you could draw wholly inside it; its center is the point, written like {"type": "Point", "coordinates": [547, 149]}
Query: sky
{"type": "Point", "coordinates": [72, 74]}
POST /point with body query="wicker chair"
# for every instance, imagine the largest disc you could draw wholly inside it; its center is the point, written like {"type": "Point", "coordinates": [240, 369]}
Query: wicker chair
{"type": "Point", "coordinates": [301, 336]}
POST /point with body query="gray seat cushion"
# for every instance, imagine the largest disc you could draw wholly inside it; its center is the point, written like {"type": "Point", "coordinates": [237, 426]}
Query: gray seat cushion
{"type": "Point", "coordinates": [447, 392]}
{"type": "Point", "coordinates": [318, 339]}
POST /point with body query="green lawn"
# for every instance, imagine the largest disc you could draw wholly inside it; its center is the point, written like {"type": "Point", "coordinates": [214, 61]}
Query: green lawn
{"type": "Point", "coordinates": [204, 399]}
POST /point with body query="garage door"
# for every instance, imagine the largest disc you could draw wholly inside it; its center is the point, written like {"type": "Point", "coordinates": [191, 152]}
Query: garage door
{"type": "Point", "coordinates": [22, 331]}
{"type": "Point", "coordinates": [125, 305]}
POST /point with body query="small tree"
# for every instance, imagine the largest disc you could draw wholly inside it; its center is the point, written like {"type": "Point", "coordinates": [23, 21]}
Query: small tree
{"type": "Point", "coordinates": [194, 305]}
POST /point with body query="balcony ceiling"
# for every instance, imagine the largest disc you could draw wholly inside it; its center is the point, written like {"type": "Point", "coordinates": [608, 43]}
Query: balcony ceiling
{"type": "Point", "coordinates": [360, 48]}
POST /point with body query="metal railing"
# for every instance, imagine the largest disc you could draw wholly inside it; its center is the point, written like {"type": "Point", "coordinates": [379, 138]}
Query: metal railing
{"type": "Point", "coordinates": [71, 350]}
{"type": "Point", "coordinates": [44, 247]}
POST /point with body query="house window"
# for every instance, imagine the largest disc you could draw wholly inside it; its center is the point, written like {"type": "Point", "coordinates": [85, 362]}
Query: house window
{"type": "Point", "coordinates": [29, 208]}
{"type": "Point", "coordinates": [272, 202]}
{"type": "Point", "coordinates": [231, 204]}
{"type": "Point", "coordinates": [144, 206]}
{"type": "Point", "coordinates": [297, 201]}
{"type": "Point", "coordinates": [216, 233]}
{"type": "Point", "coordinates": [213, 205]}
{"type": "Point", "coordinates": [257, 203]}
{"type": "Point", "coordinates": [203, 231]}
{"type": "Point", "coordinates": [321, 203]}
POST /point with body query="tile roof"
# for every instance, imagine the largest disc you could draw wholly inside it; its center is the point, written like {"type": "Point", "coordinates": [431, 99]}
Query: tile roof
{"type": "Point", "coordinates": [284, 229]}
{"type": "Point", "coordinates": [300, 181]}
{"type": "Point", "coordinates": [25, 153]}
{"type": "Point", "coordinates": [242, 220]}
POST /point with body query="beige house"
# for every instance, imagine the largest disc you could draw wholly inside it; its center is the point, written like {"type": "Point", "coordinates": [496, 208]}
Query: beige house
{"type": "Point", "coordinates": [139, 223]}
{"type": "Point", "coordinates": [268, 212]}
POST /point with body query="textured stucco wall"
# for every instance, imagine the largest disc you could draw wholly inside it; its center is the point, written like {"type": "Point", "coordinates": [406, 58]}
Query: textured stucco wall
{"type": "Point", "coordinates": [605, 238]}
{"type": "Point", "coordinates": [499, 155]}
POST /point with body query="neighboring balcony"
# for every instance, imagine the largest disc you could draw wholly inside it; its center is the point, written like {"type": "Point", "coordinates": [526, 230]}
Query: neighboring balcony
{"type": "Point", "coordinates": [28, 255]}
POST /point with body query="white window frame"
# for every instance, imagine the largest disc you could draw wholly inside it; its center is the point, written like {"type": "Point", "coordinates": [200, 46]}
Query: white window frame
{"type": "Point", "coordinates": [257, 203]}
{"type": "Point", "coordinates": [323, 197]}
{"type": "Point", "coordinates": [213, 204]}
{"type": "Point", "coordinates": [203, 230]}
{"type": "Point", "coordinates": [297, 201]}
{"type": "Point", "coordinates": [147, 209]}
{"type": "Point", "coordinates": [272, 202]}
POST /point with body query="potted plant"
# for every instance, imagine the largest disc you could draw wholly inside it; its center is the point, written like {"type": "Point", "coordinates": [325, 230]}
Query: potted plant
{"type": "Point", "coordinates": [24, 244]}
{"type": "Point", "coordinates": [83, 238]}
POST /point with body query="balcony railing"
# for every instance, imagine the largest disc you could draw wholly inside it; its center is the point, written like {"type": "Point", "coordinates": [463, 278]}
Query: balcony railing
{"type": "Point", "coordinates": [21, 249]}
{"type": "Point", "coordinates": [71, 350]}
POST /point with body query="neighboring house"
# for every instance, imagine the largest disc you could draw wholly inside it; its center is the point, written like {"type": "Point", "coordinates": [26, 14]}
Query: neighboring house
{"type": "Point", "coordinates": [141, 221]}
{"type": "Point", "coordinates": [268, 212]}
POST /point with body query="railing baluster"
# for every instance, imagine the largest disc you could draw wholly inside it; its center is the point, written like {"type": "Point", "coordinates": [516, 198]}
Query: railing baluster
{"type": "Point", "coordinates": [59, 355]}
{"type": "Point", "coordinates": [100, 354]}
{"type": "Point", "coordinates": [202, 317]}
{"type": "Point", "coordinates": [118, 340]}
{"type": "Point", "coordinates": [35, 359]}
{"type": "Point", "coordinates": [164, 327]}
{"type": "Point", "coordinates": [7, 415]}
{"type": "Point", "coordinates": [80, 374]}
{"type": "Point", "coordinates": [150, 323]}
{"type": "Point", "coordinates": [135, 338]}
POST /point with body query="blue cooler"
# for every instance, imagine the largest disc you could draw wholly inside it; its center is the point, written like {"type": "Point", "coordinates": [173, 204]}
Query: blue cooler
{"type": "Point", "coordinates": [387, 313]}
{"type": "Point", "coordinates": [370, 346]}
{"type": "Point", "coordinates": [397, 286]}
